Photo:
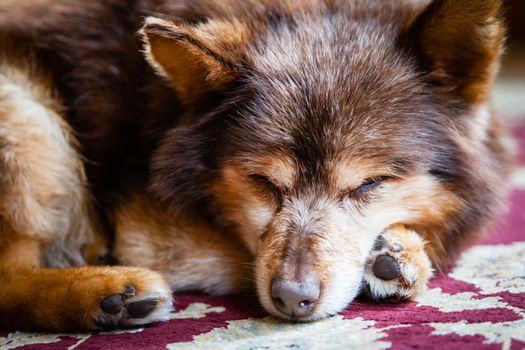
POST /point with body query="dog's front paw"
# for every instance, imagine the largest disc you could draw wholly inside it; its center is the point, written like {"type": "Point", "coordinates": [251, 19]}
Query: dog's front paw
{"type": "Point", "coordinates": [398, 267]}
{"type": "Point", "coordinates": [123, 297]}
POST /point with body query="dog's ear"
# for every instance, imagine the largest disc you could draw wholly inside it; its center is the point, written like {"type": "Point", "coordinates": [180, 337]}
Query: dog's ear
{"type": "Point", "coordinates": [460, 43]}
{"type": "Point", "coordinates": [195, 59]}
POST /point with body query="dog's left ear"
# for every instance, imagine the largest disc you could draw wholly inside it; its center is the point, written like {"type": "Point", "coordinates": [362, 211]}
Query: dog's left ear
{"type": "Point", "coordinates": [460, 43]}
{"type": "Point", "coordinates": [195, 59]}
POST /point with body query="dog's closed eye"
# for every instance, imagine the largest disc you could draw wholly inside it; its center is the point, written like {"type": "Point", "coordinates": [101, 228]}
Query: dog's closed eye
{"type": "Point", "coordinates": [367, 186]}
{"type": "Point", "coordinates": [267, 185]}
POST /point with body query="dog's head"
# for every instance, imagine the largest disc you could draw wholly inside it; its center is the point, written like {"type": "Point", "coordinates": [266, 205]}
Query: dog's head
{"type": "Point", "coordinates": [312, 127]}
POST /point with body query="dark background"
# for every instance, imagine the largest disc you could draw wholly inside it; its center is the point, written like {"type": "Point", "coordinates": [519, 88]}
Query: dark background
{"type": "Point", "coordinates": [513, 63]}
{"type": "Point", "coordinates": [515, 12]}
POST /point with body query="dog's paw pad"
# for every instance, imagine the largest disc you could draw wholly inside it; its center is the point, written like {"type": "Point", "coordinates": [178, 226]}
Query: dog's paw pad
{"type": "Point", "coordinates": [117, 303]}
{"type": "Point", "coordinates": [386, 268]}
{"type": "Point", "coordinates": [141, 309]}
{"type": "Point", "coordinates": [397, 268]}
{"type": "Point", "coordinates": [143, 300]}
{"type": "Point", "coordinates": [112, 304]}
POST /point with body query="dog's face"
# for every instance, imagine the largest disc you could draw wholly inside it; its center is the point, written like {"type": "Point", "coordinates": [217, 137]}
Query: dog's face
{"type": "Point", "coordinates": [314, 171]}
{"type": "Point", "coordinates": [333, 133]}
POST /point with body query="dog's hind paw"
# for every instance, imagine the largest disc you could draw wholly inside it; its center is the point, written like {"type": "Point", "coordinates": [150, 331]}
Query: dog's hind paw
{"type": "Point", "coordinates": [398, 267]}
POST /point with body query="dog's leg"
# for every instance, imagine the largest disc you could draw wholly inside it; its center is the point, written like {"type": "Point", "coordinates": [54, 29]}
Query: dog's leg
{"type": "Point", "coordinates": [398, 267]}
{"type": "Point", "coordinates": [45, 221]}
{"type": "Point", "coordinates": [81, 298]}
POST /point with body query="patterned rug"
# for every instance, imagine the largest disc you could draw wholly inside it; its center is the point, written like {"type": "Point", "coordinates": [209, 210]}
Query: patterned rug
{"type": "Point", "coordinates": [479, 305]}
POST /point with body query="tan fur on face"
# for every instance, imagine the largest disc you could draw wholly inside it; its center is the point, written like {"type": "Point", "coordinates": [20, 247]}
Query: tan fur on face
{"type": "Point", "coordinates": [248, 207]}
{"type": "Point", "coordinates": [280, 169]}
{"type": "Point", "coordinates": [349, 173]}
{"type": "Point", "coordinates": [244, 206]}
{"type": "Point", "coordinates": [339, 236]}
{"type": "Point", "coordinates": [311, 235]}
{"type": "Point", "coordinates": [421, 203]}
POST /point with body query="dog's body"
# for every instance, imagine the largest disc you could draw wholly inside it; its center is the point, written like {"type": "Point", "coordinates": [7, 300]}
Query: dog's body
{"type": "Point", "coordinates": [234, 141]}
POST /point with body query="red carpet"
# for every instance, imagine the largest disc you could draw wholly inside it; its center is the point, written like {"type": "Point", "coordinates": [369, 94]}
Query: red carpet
{"type": "Point", "coordinates": [479, 305]}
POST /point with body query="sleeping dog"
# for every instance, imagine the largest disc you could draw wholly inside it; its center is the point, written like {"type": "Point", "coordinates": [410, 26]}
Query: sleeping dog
{"type": "Point", "coordinates": [313, 150]}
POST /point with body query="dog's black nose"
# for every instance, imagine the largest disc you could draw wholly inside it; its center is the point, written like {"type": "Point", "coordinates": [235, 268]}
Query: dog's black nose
{"type": "Point", "coordinates": [295, 298]}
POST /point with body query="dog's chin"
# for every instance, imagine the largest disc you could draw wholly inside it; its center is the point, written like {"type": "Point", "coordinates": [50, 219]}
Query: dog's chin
{"type": "Point", "coordinates": [317, 316]}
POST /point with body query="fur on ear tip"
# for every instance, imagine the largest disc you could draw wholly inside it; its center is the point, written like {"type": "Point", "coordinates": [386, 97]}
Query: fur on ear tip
{"type": "Point", "coordinates": [152, 22]}
{"type": "Point", "coordinates": [145, 34]}
{"type": "Point", "coordinates": [154, 26]}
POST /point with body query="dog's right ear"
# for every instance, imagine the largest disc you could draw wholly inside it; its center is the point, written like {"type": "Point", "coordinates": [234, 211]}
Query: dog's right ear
{"type": "Point", "coordinates": [194, 59]}
{"type": "Point", "coordinates": [460, 43]}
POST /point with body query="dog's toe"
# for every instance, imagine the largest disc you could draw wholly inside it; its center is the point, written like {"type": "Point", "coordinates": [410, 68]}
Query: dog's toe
{"type": "Point", "coordinates": [112, 304]}
{"type": "Point", "coordinates": [141, 309]}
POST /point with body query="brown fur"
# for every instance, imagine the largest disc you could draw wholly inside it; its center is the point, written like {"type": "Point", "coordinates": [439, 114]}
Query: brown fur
{"type": "Point", "coordinates": [219, 142]}
{"type": "Point", "coordinates": [191, 256]}
{"type": "Point", "coordinates": [465, 62]}
{"type": "Point", "coordinates": [64, 299]}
